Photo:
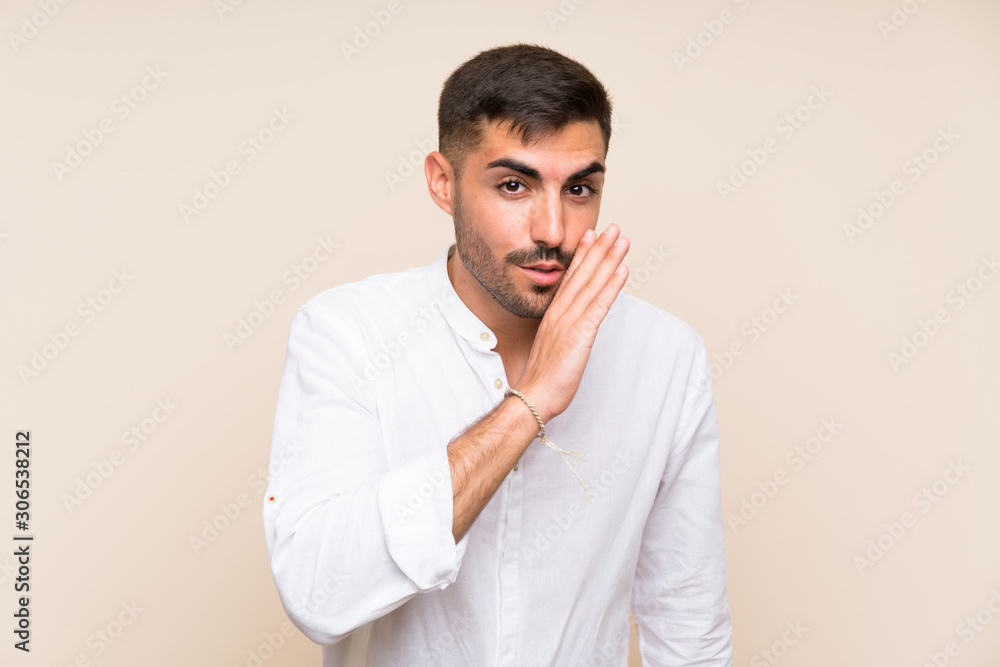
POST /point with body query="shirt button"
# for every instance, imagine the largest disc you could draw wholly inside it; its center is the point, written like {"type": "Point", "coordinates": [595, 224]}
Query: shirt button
{"type": "Point", "coordinates": [485, 335]}
{"type": "Point", "coordinates": [517, 465]}
{"type": "Point", "coordinates": [497, 383]}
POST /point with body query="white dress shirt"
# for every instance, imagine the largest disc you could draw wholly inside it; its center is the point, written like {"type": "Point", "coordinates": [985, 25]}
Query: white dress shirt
{"type": "Point", "coordinates": [380, 375]}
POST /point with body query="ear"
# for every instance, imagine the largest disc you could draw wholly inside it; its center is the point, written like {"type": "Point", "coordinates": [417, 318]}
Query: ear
{"type": "Point", "coordinates": [440, 181]}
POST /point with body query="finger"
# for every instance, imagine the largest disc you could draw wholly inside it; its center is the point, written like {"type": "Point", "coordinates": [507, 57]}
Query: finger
{"type": "Point", "coordinates": [598, 308]}
{"type": "Point", "coordinates": [593, 285]}
{"type": "Point", "coordinates": [560, 301]}
{"type": "Point", "coordinates": [581, 250]}
{"type": "Point", "coordinates": [589, 262]}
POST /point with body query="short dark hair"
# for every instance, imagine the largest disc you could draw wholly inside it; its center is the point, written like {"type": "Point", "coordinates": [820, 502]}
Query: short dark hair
{"type": "Point", "coordinates": [536, 89]}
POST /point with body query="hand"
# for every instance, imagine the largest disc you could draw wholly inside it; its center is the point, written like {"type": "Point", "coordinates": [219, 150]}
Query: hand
{"type": "Point", "coordinates": [567, 331]}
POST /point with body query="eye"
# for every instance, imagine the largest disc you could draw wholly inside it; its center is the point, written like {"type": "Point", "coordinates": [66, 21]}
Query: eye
{"type": "Point", "coordinates": [584, 185]}
{"type": "Point", "coordinates": [503, 187]}
{"type": "Point", "coordinates": [509, 186]}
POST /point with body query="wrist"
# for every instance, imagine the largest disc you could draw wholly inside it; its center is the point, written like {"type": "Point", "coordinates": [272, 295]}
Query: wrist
{"type": "Point", "coordinates": [536, 410]}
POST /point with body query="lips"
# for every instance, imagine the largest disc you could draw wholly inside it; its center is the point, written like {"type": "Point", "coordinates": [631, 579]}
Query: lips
{"type": "Point", "coordinates": [544, 267]}
{"type": "Point", "coordinates": [543, 274]}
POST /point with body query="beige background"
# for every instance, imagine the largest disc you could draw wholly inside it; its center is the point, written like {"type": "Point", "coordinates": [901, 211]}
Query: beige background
{"type": "Point", "coordinates": [679, 131]}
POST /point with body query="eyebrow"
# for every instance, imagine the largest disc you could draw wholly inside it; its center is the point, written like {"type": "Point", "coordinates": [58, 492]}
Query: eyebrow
{"type": "Point", "coordinates": [531, 172]}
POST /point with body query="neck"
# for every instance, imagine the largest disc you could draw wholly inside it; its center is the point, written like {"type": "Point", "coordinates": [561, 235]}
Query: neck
{"type": "Point", "coordinates": [515, 335]}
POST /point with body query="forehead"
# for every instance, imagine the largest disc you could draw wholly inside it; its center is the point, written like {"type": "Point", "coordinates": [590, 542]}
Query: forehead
{"type": "Point", "coordinates": [579, 141]}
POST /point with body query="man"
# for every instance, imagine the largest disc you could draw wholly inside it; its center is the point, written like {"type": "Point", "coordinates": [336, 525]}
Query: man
{"type": "Point", "coordinates": [413, 520]}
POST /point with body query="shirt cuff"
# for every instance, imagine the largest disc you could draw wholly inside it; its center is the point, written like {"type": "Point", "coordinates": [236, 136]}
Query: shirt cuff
{"type": "Point", "coordinates": [417, 507]}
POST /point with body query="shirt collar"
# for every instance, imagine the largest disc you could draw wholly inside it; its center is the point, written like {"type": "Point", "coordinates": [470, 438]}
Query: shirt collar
{"type": "Point", "coordinates": [458, 315]}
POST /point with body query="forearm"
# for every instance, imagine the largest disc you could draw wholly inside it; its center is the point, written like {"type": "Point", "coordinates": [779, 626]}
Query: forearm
{"type": "Point", "coordinates": [482, 457]}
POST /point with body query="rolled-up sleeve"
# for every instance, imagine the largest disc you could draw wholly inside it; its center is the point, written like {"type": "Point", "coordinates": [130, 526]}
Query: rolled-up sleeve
{"type": "Point", "coordinates": [679, 597]}
{"type": "Point", "coordinates": [349, 537]}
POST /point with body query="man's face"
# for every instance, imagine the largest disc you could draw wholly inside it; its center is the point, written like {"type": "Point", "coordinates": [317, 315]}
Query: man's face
{"type": "Point", "coordinates": [519, 205]}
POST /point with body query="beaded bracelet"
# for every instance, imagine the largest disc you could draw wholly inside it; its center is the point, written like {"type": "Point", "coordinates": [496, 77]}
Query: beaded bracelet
{"type": "Point", "coordinates": [541, 436]}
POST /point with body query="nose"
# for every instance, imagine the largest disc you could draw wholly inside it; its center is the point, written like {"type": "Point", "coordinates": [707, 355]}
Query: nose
{"type": "Point", "coordinates": [548, 227]}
